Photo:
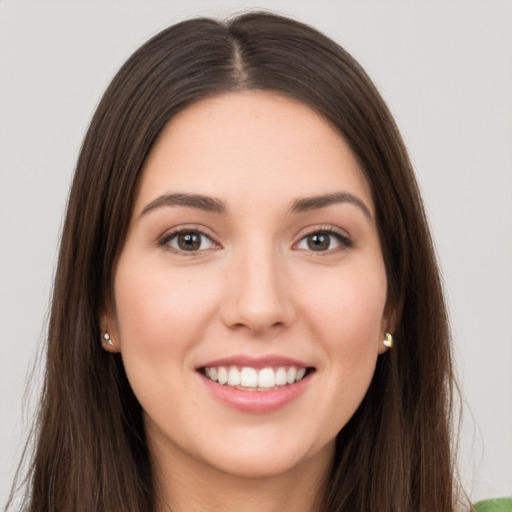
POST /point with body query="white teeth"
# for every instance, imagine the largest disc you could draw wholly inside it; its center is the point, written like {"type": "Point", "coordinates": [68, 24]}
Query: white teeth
{"type": "Point", "coordinates": [290, 375]}
{"type": "Point", "coordinates": [281, 377]}
{"type": "Point", "coordinates": [251, 379]}
{"type": "Point", "coordinates": [233, 377]}
{"type": "Point", "coordinates": [222, 375]}
{"type": "Point", "coordinates": [266, 378]}
{"type": "Point", "coordinates": [248, 377]}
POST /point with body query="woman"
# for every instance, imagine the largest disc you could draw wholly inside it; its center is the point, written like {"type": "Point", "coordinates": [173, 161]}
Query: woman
{"type": "Point", "coordinates": [247, 311]}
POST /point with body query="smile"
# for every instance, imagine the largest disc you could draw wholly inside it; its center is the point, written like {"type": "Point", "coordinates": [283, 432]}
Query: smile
{"type": "Point", "coordinates": [253, 379]}
{"type": "Point", "coordinates": [256, 384]}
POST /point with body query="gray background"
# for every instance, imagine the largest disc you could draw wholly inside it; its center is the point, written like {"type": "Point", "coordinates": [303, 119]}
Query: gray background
{"type": "Point", "coordinates": [444, 67]}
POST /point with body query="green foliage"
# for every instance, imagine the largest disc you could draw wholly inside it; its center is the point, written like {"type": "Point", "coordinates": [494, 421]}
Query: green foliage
{"type": "Point", "coordinates": [496, 505]}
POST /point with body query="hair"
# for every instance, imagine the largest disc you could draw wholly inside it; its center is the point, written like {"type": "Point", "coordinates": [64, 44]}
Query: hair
{"type": "Point", "coordinates": [395, 453]}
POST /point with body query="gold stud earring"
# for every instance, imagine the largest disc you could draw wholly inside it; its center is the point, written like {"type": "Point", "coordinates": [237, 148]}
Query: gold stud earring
{"type": "Point", "coordinates": [388, 340]}
{"type": "Point", "coordinates": [107, 339]}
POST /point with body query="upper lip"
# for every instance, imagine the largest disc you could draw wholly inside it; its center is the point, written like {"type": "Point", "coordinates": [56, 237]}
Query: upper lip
{"type": "Point", "coordinates": [255, 362]}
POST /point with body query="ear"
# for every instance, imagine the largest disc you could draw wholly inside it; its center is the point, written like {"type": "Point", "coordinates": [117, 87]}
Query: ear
{"type": "Point", "coordinates": [388, 325]}
{"type": "Point", "coordinates": [109, 330]}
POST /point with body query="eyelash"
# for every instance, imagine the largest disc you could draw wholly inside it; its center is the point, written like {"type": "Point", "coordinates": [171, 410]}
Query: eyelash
{"type": "Point", "coordinates": [168, 237]}
{"type": "Point", "coordinates": [344, 241]}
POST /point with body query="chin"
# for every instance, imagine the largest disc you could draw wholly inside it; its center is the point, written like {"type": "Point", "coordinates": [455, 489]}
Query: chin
{"type": "Point", "coordinates": [258, 460]}
{"type": "Point", "coordinates": [258, 467]}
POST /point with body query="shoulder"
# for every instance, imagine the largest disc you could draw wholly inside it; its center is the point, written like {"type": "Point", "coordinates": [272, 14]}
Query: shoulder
{"type": "Point", "coordinates": [496, 505]}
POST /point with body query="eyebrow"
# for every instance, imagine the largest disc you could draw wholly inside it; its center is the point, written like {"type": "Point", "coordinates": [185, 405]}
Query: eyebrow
{"type": "Point", "coordinates": [214, 205]}
{"type": "Point", "coordinates": [321, 201]}
{"type": "Point", "coordinates": [205, 203]}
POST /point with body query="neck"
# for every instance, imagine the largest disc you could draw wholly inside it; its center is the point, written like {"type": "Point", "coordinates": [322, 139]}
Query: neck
{"type": "Point", "coordinates": [187, 485]}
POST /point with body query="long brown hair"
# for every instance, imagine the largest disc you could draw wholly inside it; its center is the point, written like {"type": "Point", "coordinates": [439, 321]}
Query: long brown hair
{"type": "Point", "coordinates": [90, 454]}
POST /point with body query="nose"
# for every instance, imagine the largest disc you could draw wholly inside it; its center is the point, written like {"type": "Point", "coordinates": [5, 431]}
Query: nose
{"type": "Point", "coordinates": [257, 294]}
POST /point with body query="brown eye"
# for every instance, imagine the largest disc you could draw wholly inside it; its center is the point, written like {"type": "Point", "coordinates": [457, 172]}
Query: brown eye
{"type": "Point", "coordinates": [189, 241]}
{"type": "Point", "coordinates": [324, 241]}
{"type": "Point", "coordinates": [318, 242]}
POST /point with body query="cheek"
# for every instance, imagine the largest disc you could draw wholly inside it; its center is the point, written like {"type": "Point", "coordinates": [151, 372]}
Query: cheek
{"type": "Point", "coordinates": [348, 306]}
{"type": "Point", "coordinates": [159, 310]}
{"type": "Point", "coordinates": [162, 314]}
{"type": "Point", "coordinates": [346, 314]}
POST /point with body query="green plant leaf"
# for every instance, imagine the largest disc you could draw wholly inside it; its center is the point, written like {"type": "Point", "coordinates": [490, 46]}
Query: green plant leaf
{"type": "Point", "coordinates": [496, 505]}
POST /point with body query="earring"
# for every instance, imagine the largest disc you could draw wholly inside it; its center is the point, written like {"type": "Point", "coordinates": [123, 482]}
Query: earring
{"type": "Point", "coordinates": [107, 339]}
{"type": "Point", "coordinates": [388, 340]}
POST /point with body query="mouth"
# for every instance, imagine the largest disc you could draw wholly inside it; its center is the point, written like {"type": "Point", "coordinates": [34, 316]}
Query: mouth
{"type": "Point", "coordinates": [248, 378]}
{"type": "Point", "coordinates": [256, 384]}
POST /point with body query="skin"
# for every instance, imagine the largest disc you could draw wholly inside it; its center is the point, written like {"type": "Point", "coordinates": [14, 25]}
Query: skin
{"type": "Point", "coordinates": [255, 287]}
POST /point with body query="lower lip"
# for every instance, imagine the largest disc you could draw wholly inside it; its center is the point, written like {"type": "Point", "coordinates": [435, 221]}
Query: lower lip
{"type": "Point", "coordinates": [256, 401]}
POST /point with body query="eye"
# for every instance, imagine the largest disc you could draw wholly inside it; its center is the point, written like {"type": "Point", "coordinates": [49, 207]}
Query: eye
{"type": "Point", "coordinates": [188, 241]}
{"type": "Point", "coordinates": [324, 240]}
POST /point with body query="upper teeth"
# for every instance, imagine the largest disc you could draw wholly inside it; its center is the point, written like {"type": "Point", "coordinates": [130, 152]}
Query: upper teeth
{"type": "Point", "coordinates": [247, 377]}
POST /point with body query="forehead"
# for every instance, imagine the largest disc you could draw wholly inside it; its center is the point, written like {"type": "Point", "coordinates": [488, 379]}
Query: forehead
{"type": "Point", "coordinates": [250, 144]}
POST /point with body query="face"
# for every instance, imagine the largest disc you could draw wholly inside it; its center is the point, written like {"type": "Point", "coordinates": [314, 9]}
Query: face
{"type": "Point", "coordinates": [250, 294]}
